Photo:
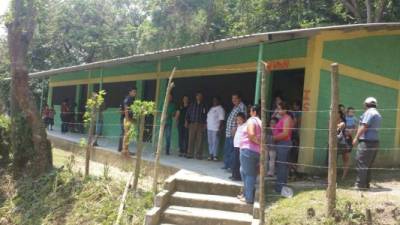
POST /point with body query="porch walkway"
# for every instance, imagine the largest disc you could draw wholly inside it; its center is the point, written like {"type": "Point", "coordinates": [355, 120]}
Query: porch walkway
{"type": "Point", "coordinates": [203, 167]}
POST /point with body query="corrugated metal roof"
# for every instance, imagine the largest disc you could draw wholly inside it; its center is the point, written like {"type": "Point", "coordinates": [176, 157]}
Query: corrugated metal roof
{"type": "Point", "coordinates": [227, 43]}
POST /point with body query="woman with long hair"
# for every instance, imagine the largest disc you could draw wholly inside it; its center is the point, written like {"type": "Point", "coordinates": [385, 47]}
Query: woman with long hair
{"type": "Point", "coordinates": [283, 142]}
{"type": "Point", "coordinates": [250, 154]}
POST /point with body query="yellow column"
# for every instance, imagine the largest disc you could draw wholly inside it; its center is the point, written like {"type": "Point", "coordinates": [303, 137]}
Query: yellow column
{"type": "Point", "coordinates": [310, 100]}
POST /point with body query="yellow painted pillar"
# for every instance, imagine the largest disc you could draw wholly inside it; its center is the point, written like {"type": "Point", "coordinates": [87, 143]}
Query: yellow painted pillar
{"type": "Point", "coordinates": [310, 101]}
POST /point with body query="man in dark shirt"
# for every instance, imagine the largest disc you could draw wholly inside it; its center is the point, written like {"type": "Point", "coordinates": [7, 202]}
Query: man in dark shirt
{"type": "Point", "coordinates": [126, 121]}
{"type": "Point", "coordinates": [196, 117]}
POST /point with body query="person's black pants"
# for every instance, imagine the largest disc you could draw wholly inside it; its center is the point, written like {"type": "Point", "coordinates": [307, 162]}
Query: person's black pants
{"type": "Point", "coordinates": [121, 136]}
{"type": "Point", "coordinates": [236, 164]}
{"type": "Point", "coordinates": [183, 139]}
{"type": "Point", "coordinates": [64, 125]}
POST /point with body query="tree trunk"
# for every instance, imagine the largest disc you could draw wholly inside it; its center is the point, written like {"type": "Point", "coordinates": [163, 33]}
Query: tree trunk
{"type": "Point", "coordinates": [91, 139]}
{"type": "Point", "coordinates": [369, 10]}
{"type": "Point", "coordinates": [20, 33]}
{"type": "Point", "coordinates": [139, 153]}
{"type": "Point", "coordinates": [331, 191]}
{"type": "Point", "coordinates": [264, 147]}
{"type": "Point", "coordinates": [161, 133]}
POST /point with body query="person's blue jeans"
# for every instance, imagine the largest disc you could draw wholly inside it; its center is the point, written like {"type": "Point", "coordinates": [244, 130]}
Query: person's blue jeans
{"type": "Point", "coordinates": [282, 167]}
{"type": "Point", "coordinates": [167, 133]}
{"type": "Point", "coordinates": [228, 152]}
{"type": "Point", "coordinates": [248, 169]}
{"type": "Point", "coordinates": [213, 142]}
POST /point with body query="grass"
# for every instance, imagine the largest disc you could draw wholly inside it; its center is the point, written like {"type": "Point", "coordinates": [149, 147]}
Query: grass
{"type": "Point", "coordinates": [64, 196]}
{"type": "Point", "coordinates": [308, 205]}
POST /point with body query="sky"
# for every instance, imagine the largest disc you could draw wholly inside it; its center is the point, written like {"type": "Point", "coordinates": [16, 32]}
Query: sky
{"type": "Point", "coordinates": [4, 4]}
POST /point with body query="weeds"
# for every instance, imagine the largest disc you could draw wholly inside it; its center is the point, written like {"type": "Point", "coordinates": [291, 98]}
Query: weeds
{"type": "Point", "coordinates": [65, 197]}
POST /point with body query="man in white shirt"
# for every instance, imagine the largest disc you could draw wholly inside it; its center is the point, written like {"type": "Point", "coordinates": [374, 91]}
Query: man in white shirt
{"type": "Point", "coordinates": [215, 117]}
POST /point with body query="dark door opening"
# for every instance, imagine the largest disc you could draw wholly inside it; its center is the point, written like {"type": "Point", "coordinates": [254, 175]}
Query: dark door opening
{"type": "Point", "coordinates": [289, 85]}
{"type": "Point", "coordinates": [222, 86]}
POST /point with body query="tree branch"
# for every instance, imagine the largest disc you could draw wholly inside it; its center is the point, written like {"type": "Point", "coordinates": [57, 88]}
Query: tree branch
{"type": "Point", "coordinates": [352, 7]}
{"type": "Point", "coordinates": [379, 10]}
{"type": "Point", "coordinates": [368, 7]}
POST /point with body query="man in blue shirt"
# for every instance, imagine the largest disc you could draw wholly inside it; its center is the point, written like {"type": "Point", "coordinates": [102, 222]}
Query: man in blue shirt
{"type": "Point", "coordinates": [368, 142]}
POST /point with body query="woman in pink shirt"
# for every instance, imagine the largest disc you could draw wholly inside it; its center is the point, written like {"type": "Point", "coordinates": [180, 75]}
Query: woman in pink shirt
{"type": "Point", "coordinates": [250, 154]}
{"type": "Point", "coordinates": [282, 138]}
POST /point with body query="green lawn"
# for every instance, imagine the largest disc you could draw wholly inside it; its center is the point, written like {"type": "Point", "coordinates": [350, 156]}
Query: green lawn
{"type": "Point", "coordinates": [64, 196]}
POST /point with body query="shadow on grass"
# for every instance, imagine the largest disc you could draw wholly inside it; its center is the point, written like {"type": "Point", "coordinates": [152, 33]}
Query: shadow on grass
{"type": "Point", "coordinates": [382, 181]}
{"type": "Point", "coordinates": [50, 198]}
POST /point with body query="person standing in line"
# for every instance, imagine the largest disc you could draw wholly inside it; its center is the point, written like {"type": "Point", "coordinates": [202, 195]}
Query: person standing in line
{"type": "Point", "coordinates": [52, 113]}
{"type": "Point", "coordinates": [196, 116]}
{"type": "Point", "coordinates": [128, 120]}
{"type": "Point", "coordinates": [215, 118]}
{"type": "Point", "coordinates": [294, 151]}
{"type": "Point", "coordinates": [250, 154]}
{"type": "Point", "coordinates": [64, 115]}
{"type": "Point", "coordinates": [130, 98]}
{"type": "Point", "coordinates": [271, 156]}
{"type": "Point", "coordinates": [171, 113]}
{"type": "Point", "coordinates": [368, 142]}
{"type": "Point", "coordinates": [241, 127]}
{"type": "Point", "coordinates": [182, 130]}
{"type": "Point", "coordinates": [231, 126]}
{"type": "Point", "coordinates": [283, 140]}
{"type": "Point", "coordinates": [45, 115]}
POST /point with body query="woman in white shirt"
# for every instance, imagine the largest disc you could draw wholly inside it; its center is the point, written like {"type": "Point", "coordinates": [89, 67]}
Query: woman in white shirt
{"type": "Point", "coordinates": [215, 116]}
{"type": "Point", "coordinates": [241, 128]}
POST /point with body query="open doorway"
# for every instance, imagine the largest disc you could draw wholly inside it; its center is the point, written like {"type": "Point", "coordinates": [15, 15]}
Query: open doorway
{"type": "Point", "coordinates": [222, 86]}
{"type": "Point", "coordinates": [289, 85]}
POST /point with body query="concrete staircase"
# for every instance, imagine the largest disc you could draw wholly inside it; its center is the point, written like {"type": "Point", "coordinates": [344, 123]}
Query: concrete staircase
{"type": "Point", "coordinates": [192, 199]}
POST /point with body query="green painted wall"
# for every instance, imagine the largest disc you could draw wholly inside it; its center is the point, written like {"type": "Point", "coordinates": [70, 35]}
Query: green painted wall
{"type": "Point", "coordinates": [119, 70]}
{"type": "Point", "coordinates": [353, 92]}
{"type": "Point", "coordinates": [376, 54]}
{"type": "Point", "coordinates": [278, 50]}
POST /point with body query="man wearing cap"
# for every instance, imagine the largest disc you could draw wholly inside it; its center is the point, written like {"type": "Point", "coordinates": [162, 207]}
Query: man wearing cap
{"type": "Point", "coordinates": [368, 142]}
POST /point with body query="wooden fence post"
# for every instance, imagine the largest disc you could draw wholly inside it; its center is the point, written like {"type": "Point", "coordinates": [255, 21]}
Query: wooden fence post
{"type": "Point", "coordinates": [139, 153]}
{"type": "Point", "coordinates": [264, 147]}
{"type": "Point", "coordinates": [161, 132]}
{"type": "Point", "coordinates": [89, 145]}
{"type": "Point", "coordinates": [331, 190]}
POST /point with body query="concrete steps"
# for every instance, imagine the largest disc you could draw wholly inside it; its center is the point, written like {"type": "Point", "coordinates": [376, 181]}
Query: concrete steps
{"type": "Point", "coordinates": [194, 199]}
{"type": "Point", "coordinates": [207, 187]}
{"type": "Point", "coordinates": [198, 216]}
{"type": "Point", "coordinates": [218, 202]}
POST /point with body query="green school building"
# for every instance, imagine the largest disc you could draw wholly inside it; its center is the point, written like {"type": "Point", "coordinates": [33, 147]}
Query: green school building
{"type": "Point", "coordinates": [369, 65]}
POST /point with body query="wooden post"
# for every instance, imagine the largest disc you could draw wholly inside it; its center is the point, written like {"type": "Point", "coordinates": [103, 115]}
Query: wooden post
{"type": "Point", "coordinates": [91, 139]}
{"type": "Point", "coordinates": [139, 152]}
{"type": "Point", "coordinates": [331, 191]}
{"type": "Point", "coordinates": [264, 147]}
{"type": "Point", "coordinates": [161, 132]}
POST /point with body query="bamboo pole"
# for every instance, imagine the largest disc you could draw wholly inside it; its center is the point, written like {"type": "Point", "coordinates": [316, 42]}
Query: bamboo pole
{"type": "Point", "coordinates": [331, 190]}
{"type": "Point", "coordinates": [139, 152]}
{"type": "Point", "coordinates": [264, 148]}
{"type": "Point", "coordinates": [161, 132]}
{"type": "Point", "coordinates": [122, 204]}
